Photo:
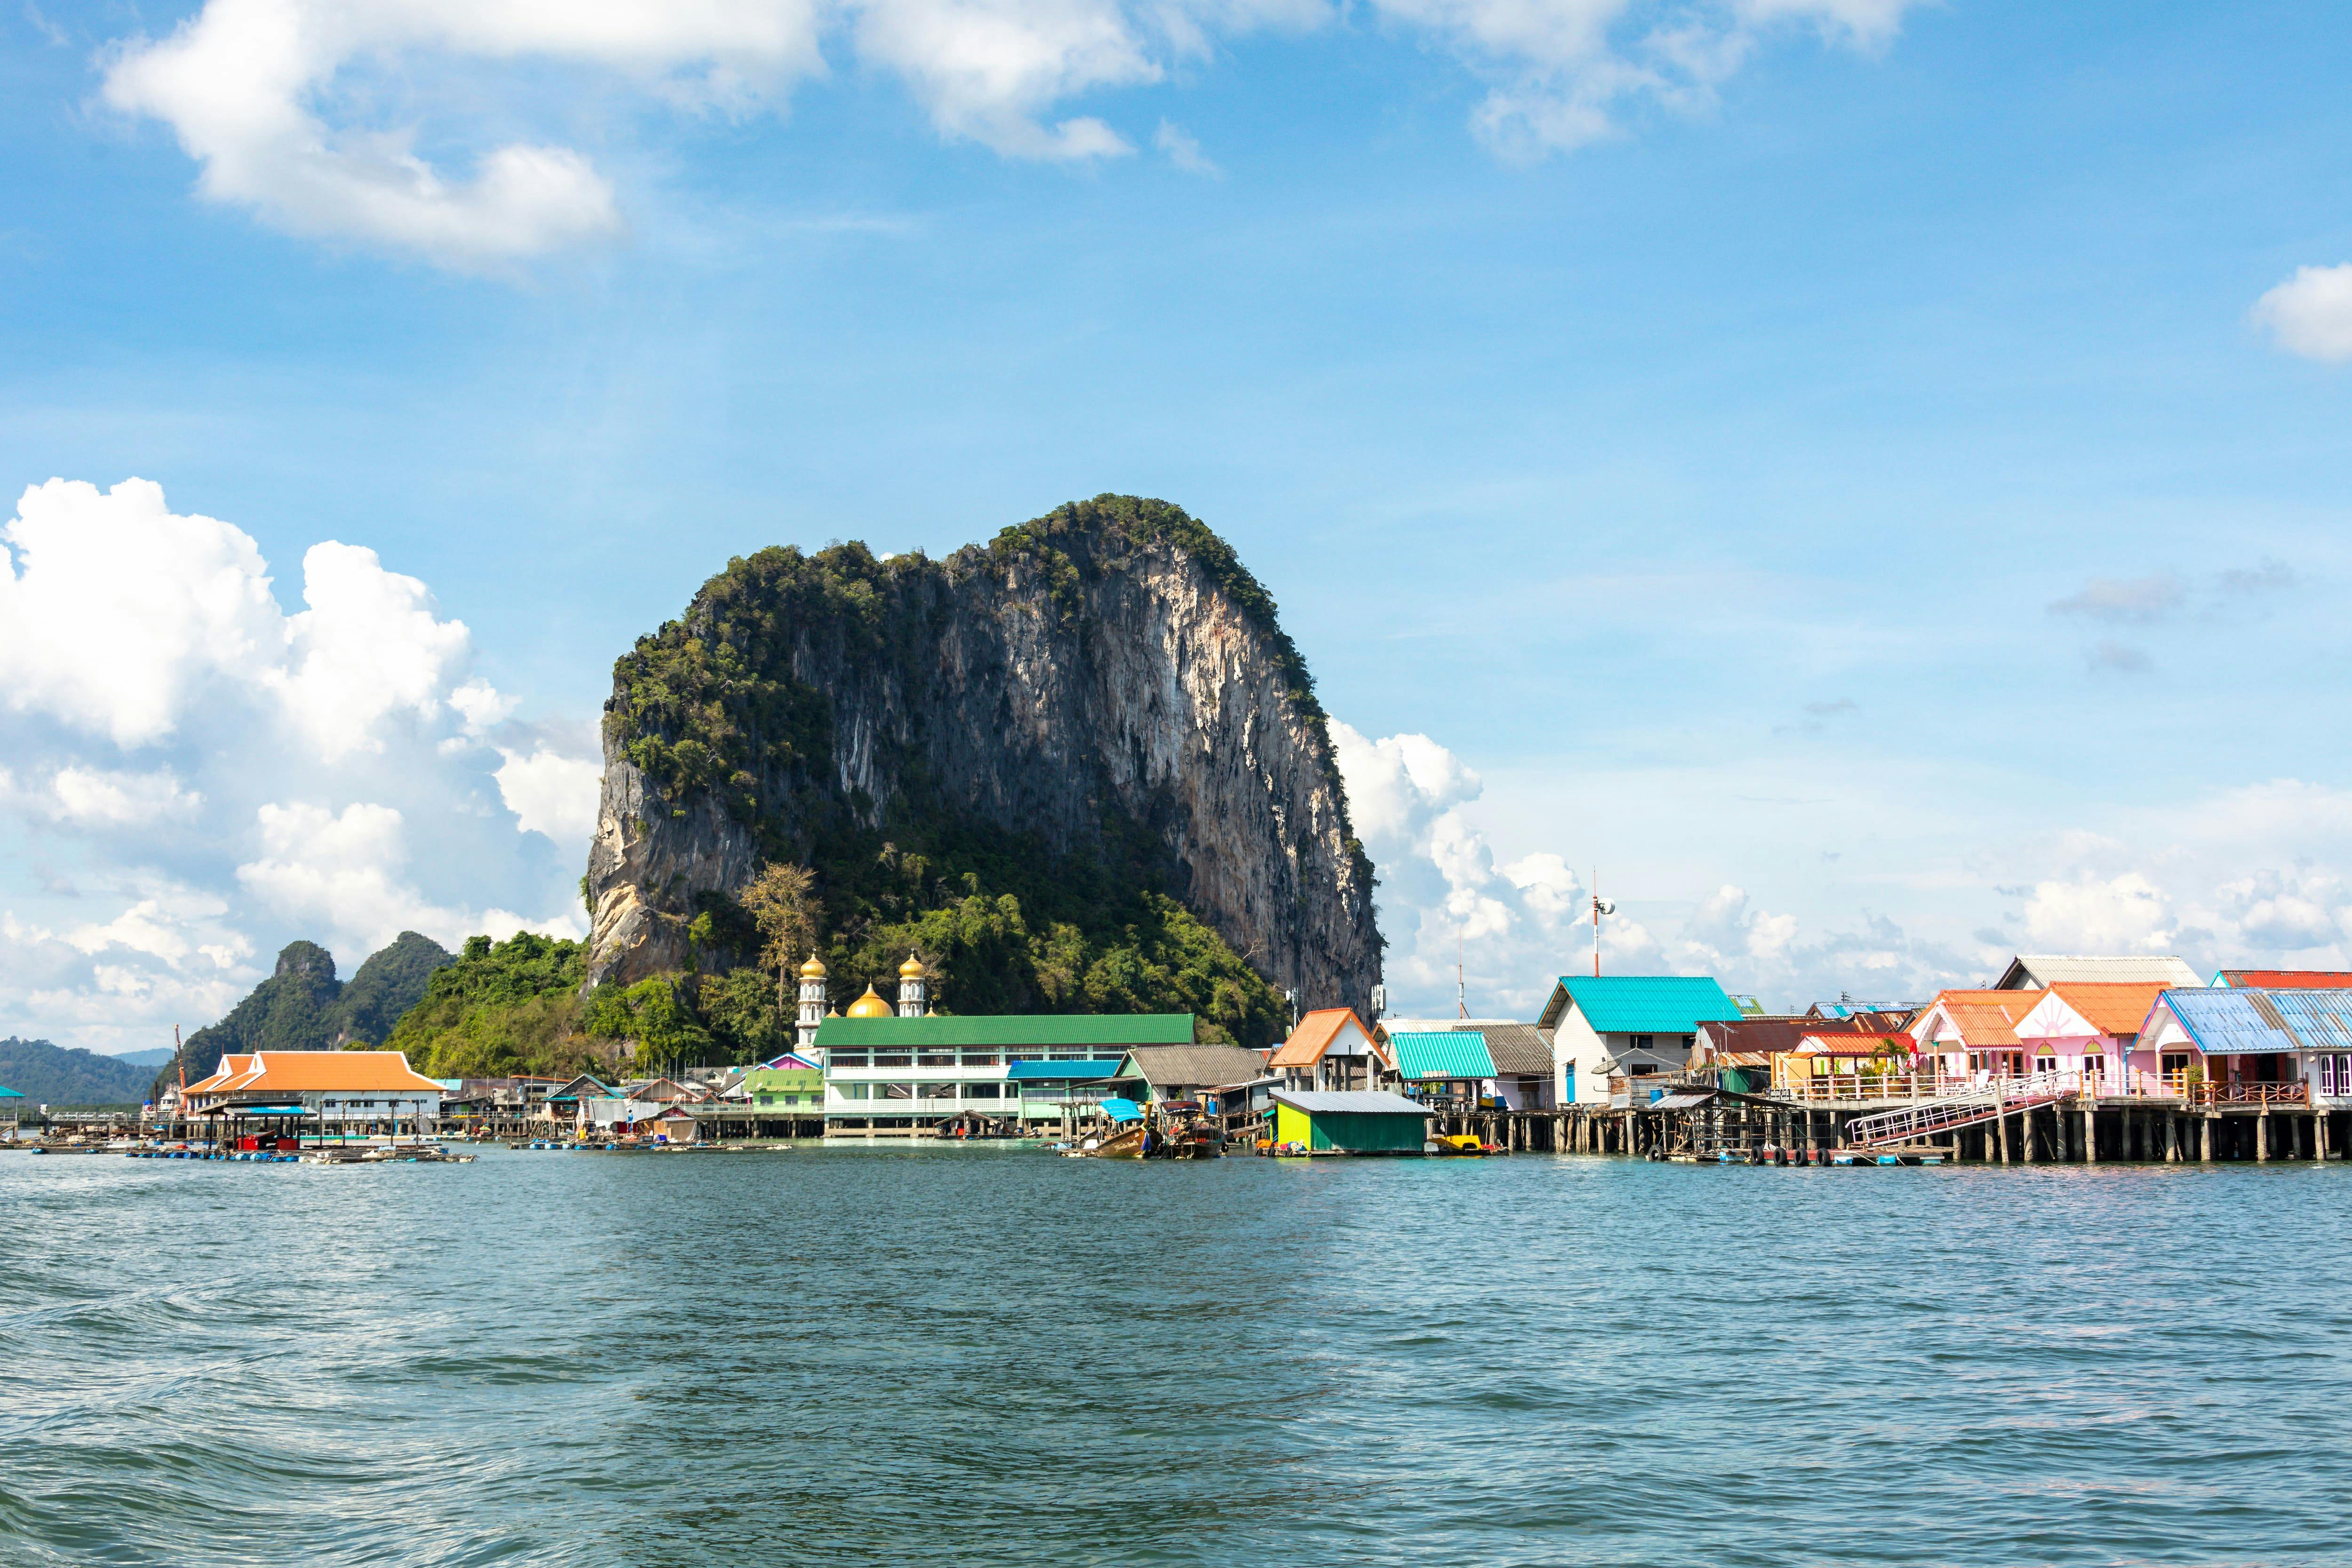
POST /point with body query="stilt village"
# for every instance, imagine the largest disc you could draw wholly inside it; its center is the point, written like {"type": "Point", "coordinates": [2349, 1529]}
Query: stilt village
{"type": "Point", "coordinates": [2060, 1058]}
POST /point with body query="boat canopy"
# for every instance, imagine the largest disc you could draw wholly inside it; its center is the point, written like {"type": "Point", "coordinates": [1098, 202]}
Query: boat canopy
{"type": "Point", "coordinates": [1119, 1110]}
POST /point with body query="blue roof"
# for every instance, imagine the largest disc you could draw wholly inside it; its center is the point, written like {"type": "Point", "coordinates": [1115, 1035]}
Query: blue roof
{"type": "Point", "coordinates": [2226, 1021]}
{"type": "Point", "coordinates": [8, 1094]}
{"type": "Point", "coordinates": [1442, 1054]}
{"type": "Point", "coordinates": [1122, 1109]}
{"type": "Point", "coordinates": [1058, 1072]}
{"type": "Point", "coordinates": [1648, 1004]}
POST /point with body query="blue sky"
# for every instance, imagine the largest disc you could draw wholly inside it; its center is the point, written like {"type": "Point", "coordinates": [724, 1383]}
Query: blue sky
{"type": "Point", "coordinates": [1868, 477]}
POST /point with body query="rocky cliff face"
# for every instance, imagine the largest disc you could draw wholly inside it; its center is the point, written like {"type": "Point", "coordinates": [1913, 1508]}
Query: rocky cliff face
{"type": "Point", "coordinates": [1106, 672]}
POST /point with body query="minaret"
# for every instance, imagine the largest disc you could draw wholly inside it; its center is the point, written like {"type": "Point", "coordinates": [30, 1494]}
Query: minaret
{"type": "Point", "coordinates": [811, 1000]}
{"type": "Point", "coordinates": [910, 987]}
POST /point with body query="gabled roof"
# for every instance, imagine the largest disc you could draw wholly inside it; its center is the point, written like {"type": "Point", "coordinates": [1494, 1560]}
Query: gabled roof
{"type": "Point", "coordinates": [1192, 1066]}
{"type": "Point", "coordinates": [1442, 1054]}
{"type": "Point", "coordinates": [1985, 1019]}
{"type": "Point", "coordinates": [2039, 971]}
{"type": "Point", "coordinates": [2112, 1009]}
{"type": "Point", "coordinates": [1766, 1037]}
{"type": "Point", "coordinates": [2225, 1021]}
{"type": "Point", "coordinates": [1640, 1004]}
{"type": "Point", "coordinates": [2287, 979]}
{"type": "Point", "coordinates": [1010, 1031]}
{"type": "Point", "coordinates": [1518, 1050]}
{"type": "Point", "coordinates": [1313, 1035]}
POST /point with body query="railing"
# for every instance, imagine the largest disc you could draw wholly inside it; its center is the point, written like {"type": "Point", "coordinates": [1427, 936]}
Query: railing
{"type": "Point", "coordinates": [1858, 1088]}
{"type": "Point", "coordinates": [1963, 1108]}
{"type": "Point", "coordinates": [2258, 1094]}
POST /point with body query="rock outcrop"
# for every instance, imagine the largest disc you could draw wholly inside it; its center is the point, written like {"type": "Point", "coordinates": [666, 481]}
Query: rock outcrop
{"type": "Point", "coordinates": [1109, 672]}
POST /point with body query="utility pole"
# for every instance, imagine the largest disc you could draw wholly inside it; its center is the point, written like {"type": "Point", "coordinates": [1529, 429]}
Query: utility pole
{"type": "Point", "coordinates": [1601, 906]}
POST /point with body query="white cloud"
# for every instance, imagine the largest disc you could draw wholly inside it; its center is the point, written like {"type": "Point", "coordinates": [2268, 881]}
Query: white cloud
{"type": "Point", "coordinates": [369, 646]}
{"type": "Point", "coordinates": [2311, 313]}
{"type": "Point", "coordinates": [175, 737]}
{"type": "Point", "coordinates": [114, 612]}
{"type": "Point", "coordinates": [553, 794]}
{"type": "Point", "coordinates": [309, 112]}
{"type": "Point", "coordinates": [1183, 150]}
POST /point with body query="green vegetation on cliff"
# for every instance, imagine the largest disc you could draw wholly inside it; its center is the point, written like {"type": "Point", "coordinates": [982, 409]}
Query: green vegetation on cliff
{"type": "Point", "coordinates": [710, 705]}
{"type": "Point", "coordinates": [303, 1006]}
{"type": "Point", "coordinates": [48, 1075]}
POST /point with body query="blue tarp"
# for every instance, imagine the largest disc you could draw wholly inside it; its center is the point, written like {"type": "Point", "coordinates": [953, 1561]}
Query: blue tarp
{"type": "Point", "coordinates": [1062, 1071]}
{"type": "Point", "coordinates": [1122, 1109]}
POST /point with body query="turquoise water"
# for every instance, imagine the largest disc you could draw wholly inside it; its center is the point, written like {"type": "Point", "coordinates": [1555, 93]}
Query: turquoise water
{"type": "Point", "coordinates": [832, 1356]}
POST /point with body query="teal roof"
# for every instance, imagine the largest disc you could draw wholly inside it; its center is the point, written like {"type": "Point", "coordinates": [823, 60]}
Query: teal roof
{"type": "Point", "coordinates": [1442, 1054]}
{"type": "Point", "coordinates": [1036, 1028]}
{"type": "Point", "coordinates": [8, 1094]}
{"type": "Point", "coordinates": [1649, 1004]}
{"type": "Point", "coordinates": [1063, 1071]}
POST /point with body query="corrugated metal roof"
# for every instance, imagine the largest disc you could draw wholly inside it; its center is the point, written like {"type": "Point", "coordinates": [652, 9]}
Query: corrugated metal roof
{"type": "Point", "coordinates": [1349, 1102]}
{"type": "Point", "coordinates": [1442, 1054]}
{"type": "Point", "coordinates": [2039, 971]}
{"type": "Point", "coordinates": [1034, 1029]}
{"type": "Point", "coordinates": [1196, 1066]}
{"type": "Point", "coordinates": [2226, 1021]}
{"type": "Point", "coordinates": [1649, 1004]}
{"type": "Point", "coordinates": [2287, 979]}
{"type": "Point", "coordinates": [1062, 1071]}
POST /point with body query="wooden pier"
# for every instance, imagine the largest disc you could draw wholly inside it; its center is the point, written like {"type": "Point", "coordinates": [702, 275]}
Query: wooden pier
{"type": "Point", "coordinates": [2078, 1129]}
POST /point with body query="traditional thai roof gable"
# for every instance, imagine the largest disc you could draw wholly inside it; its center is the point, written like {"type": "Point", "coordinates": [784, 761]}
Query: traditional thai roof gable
{"type": "Point", "coordinates": [2074, 1009]}
{"type": "Point", "coordinates": [322, 1072]}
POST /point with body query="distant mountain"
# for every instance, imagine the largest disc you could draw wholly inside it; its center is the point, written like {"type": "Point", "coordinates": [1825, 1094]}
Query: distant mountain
{"type": "Point", "coordinates": [156, 1058]}
{"type": "Point", "coordinates": [48, 1075]}
{"type": "Point", "coordinates": [303, 1005]}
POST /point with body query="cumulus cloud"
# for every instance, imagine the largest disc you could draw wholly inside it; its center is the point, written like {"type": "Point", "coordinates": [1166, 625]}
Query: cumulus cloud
{"type": "Point", "coordinates": [223, 777]}
{"type": "Point", "coordinates": [310, 112]}
{"type": "Point", "coordinates": [2311, 313]}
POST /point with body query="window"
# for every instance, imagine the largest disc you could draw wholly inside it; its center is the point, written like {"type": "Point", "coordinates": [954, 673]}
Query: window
{"type": "Point", "coordinates": [848, 1058]}
{"type": "Point", "coordinates": [981, 1092]}
{"type": "Point", "coordinates": [896, 1059]}
{"type": "Point", "coordinates": [767, 1098]}
{"type": "Point", "coordinates": [1070, 1056]}
{"type": "Point", "coordinates": [979, 1059]}
{"type": "Point", "coordinates": [2328, 1075]}
{"type": "Point", "coordinates": [852, 1090]}
{"type": "Point", "coordinates": [1639, 1042]}
{"type": "Point", "coordinates": [936, 1058]}
{"type": "Point", "coordinates": [938, 1091]}
{"type": "Point", "coordinates": [894, 1092]}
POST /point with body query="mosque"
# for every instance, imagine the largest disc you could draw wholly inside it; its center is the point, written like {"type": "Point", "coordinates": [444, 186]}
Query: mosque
{"type": "Point", "coordinates": [893, 1071]}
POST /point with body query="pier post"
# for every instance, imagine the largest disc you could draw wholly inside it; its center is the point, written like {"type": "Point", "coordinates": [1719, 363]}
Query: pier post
{"type": "Point", "coordinates": [2171, 1139]}
{"type": "Point", "coordinates": [2025, 1130]}
{"type": "Point", "coordinates": [2319, 1131]}
{"type": "Point", "coordinates": [2001, 1135]}
{"type": "Point", "coordinates": [2263, 1134]}
{"type": "Point", "coordinates": [2090, 1134]}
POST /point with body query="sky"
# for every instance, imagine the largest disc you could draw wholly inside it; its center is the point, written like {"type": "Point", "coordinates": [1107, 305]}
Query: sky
{"type": "Point", "coordinates": [1864, 478]}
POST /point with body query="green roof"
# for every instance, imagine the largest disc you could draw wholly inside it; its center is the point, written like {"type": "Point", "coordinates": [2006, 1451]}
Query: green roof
{"type": "Point", "coordinates": [1442, 1054]}
{"type": "Point", "coordinates": [1648, 1004]}
{"type": "Point", "coordinates": [1064, 1029]}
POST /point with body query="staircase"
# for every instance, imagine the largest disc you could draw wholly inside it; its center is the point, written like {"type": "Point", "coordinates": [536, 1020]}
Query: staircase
{"type": "Point", "coordinates": [1950, 1112]}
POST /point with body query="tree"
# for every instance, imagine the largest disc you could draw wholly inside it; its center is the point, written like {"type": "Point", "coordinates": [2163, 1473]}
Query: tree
{"type": "Point", "coordinates": [782, 903]}
{"type": "Point", "coordinates": [652, 1013]}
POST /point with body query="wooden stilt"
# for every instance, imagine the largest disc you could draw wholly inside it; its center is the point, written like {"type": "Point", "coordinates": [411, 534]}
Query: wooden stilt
{"type": "Point", "coordinates": [2263, 1134]}
{"type": "Point", "coordinates": [2090, 1134]}
{"type": "Point", "coordinates": [2025, 1132]}
{"type": "Point", "coordinates": [2001, 1136]}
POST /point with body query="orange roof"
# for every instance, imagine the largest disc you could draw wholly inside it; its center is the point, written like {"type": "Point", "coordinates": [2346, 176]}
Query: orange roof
{"type": "Point", "coordinates": [230, 1066]}
{"type": "Point", "coordinates": [2113, 1008]}
{"type": "Point", "coordinates": [1313, 1037]}
{"type": "Point", "coordinates": [322, 1072]}
{"type": "Point", "coordinates": [1985, 1017]}
{"type": "Point", "coordinates": [2290, 979]}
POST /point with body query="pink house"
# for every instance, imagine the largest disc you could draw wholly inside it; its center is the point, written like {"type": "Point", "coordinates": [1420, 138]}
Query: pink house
{"type": "Point", "coordinates": [2092, 1029]}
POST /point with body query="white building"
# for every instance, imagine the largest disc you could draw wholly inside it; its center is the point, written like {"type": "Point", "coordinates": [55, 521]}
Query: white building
{"type": "Point", "coordinates": [1615, 1038]}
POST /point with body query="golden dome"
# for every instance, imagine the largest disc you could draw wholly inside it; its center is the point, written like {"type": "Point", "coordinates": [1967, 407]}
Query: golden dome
{"type": "Point", "coordinates": [813, 969]}
{"type": "Point", "coordinates": [869, 1006]}
{"type": "Point", "coordinates": [912, 969]}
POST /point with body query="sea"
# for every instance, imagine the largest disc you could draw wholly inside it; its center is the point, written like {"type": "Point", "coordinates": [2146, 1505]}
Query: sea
{"type": "Point", "coordinates": [828, 1355]}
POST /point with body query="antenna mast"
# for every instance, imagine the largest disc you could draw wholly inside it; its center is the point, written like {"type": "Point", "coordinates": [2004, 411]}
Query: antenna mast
{"type": "Point", "coordinates": [1460, 995]}
{"type": "Point", "coordinates": [1596, 923]}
